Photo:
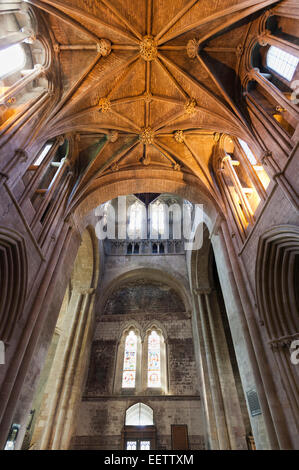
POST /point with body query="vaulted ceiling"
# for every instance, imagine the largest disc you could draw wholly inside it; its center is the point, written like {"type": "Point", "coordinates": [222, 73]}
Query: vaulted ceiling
{"type": "Point", "coordinates": [149, 82]}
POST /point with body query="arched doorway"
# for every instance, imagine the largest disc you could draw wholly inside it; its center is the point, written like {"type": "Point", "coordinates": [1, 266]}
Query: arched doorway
{"type": "Point", "coordinates": [139, 431]}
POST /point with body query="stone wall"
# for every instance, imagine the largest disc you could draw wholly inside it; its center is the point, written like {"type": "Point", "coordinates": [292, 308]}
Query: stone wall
{"type": "Point", "coordinates": [102, 410]}
{"type": "Point", "coordinates": [100, 422]}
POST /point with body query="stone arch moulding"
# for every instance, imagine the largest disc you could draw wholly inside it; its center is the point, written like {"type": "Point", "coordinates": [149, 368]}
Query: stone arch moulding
{"type": "Point", "coordinates": [126, 327]}
{"type": "Point", "coordinates": [128, 182]}
{"type": "Point", "coordinates": [275, 287]}
{"type": "Point", "coordinates": [150, 274]}
{"type": "Point", "coordinates": [154, 325]}
{"type": "Point", "coordinates": [144, 408]}
{"type": "Point", "coordinates": [13, 280]}
{"type": "Point", "coordinates": [277, 270]}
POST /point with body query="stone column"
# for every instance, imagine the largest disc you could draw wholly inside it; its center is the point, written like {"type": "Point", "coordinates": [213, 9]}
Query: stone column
{"type": "Point", "coordinates": [206, 386]}
{"type": "Point", "coordinates": [64, 385]}
{"type": "Point", "coordinates": [218, 405]}
{"type": "Point", "coordinates": [75, 375]}
{"type": "Point", "coordinates": [20, 364]}
{"type": "Point", "coordinates": [233, 413]}
{"type": "Point", "coordinates": [264, 381]}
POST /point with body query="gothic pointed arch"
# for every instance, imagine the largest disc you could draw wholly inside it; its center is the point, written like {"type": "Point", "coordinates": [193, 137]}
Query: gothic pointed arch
{"type": "Point", "coordinates": [13, 280]}
{"type": "Point", "coordinates": [277, 269]}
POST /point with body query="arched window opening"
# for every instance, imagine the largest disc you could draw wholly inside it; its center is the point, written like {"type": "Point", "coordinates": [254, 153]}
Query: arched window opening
{"type": "Point", "coordinates": [235, 181]}
{"type": "Point", "coordinates": [136, 248]}
{"type": "Point", "coordinates": [38, 175]}
{"type": "Point", "coordinates": [259, 169]}
{"type": "Point", "coordinates": [157, 219]}
{"type": "Point", "coordinates": [136, 211]}
{"type": "Point", "coordinates": [129, 249]}
{"type": "Point", "coordinates": [248, 152]}
{"type": "Point", "coordinates": [154, 361]}
{"type": "Point", "coordinates": [130, 361]}
{"type": "Point", "coordinates": [161, 249]}
{"type": "Point", "coordinates": [44, 182]}
{"type": "Point", "coordinates": [44, 152]}
{"type": "Point", "coordinates": [139, 415]}
{"type": "Point", "coordinates": [283, 63]}
{"type": "Point", "coordinates": [54, 168]}
{"type": "Point", "coordinates": [23, 60]}
{"type": "Point", "coordinates": [155, 248]}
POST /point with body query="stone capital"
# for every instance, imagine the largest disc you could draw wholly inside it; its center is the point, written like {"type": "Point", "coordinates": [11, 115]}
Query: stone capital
{"type": "Point", "coordinates": [21, 154]}
{"type": "Point", "coordinates": [202, 290]}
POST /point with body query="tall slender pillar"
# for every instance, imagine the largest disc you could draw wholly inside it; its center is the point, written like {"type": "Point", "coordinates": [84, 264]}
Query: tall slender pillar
{"type": "Point", "coordinates": [222, 432]}
{"type": "Point", "coordinates": [233, 413]}
{"type": "Point", "coordinates": [266, 389]}
{"type": "Point", "coordinates": [64, 385]}
{"type": "Point", "coordinates": [212, 436]}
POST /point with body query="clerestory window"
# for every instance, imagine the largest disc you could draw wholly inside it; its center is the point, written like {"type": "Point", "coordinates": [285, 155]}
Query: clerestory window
{"type": "Point", "coordinates": [12, 59]}
{"type": "Point", "coordinates": [282, 62]}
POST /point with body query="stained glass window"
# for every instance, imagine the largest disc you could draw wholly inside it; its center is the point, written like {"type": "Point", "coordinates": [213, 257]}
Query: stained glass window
{"type": "Point", "coordinates": [154, 359]}
{"type": "Point", "coordinates": [129, 369]}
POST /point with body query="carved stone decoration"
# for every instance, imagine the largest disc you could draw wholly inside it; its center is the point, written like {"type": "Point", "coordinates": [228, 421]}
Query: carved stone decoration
{"type": "Point", "coordinates": [280, 109]}
{"type": "Point", "coordinates": [179, 136]}
{"type": "Point", "coordinates": [113, 136]}
{"type": "Point", "coordinates": [31, 35]}
{"type": "Point", "coordinates": [216, 137]}
{"type": "Point", "coordinates": [239, 50]}
{"type": "Point", "coordinates": [22, 155]}
{"type": "Point", "coordinates": [147, 136]}
{"type": "Point", "coordinates": [148, 48]}
{"type": "Point", "coordinates": [177, 167]}
{"type": "Point", "coordinates": [115, 167]}
{"type": "Point", "coordinates": [145, 160]}
{"type": "Point", "coordinates": [266, 155]}
{"type": "Point", "coordinates": [192, 48]}
{"type": "Point", "coordinates": [60, 140]}
{"type": "Point", "coordinates": [104, 105]}
{"type": "Point", "coordinates": [11, 100]}
{"type": "Point", "coordinates": [56, 47]}
{"type": "Point", "coordinates": [262, 40]}
{"type": "Point", "coordinates": [147, 97]}
{"type": "Point", "coordinates": [104, 47]}
{"type": "Point", "coordinates": [190, 107]}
